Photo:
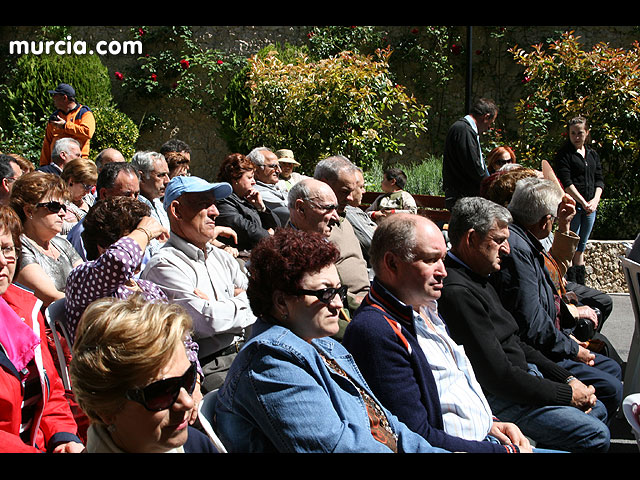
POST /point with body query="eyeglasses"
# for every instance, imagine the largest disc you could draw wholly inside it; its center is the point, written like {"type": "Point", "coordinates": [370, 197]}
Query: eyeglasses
{"type": "Point", "coordinates": [326, 295]}
{"type": "Point", "coordinates": [162, 394]}
{"type": "Point", "coordinates": [274, 166]}
{"type": "Point", "coordinates": [326, 208]}
{"type": "Point", "coordinates": [53, 206]}
{"type": "Point", "coordinates": [9, 253]}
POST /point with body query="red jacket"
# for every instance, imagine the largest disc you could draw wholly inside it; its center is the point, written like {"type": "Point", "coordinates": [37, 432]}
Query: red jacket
{"type": "Point", "coordinates": [22, 339]}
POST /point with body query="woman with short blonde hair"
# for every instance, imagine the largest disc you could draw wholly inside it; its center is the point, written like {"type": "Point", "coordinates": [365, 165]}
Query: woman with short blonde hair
{"type": "Point", "coordinates": [132, 377]}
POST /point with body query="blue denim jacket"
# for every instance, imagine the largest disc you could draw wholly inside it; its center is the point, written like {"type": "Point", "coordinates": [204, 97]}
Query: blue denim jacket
{"type": "Point", "coordinates": [280, 397]}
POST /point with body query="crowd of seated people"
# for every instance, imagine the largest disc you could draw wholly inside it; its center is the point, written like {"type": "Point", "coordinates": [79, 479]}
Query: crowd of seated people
{"type": "Point", "coordinates": [310, 326]}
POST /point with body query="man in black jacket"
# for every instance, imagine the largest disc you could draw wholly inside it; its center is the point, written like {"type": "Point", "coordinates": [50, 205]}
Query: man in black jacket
{"type": "Point", "coordinates": [521, 384]}
{"type": "Point", "coordinates": [463, 166]}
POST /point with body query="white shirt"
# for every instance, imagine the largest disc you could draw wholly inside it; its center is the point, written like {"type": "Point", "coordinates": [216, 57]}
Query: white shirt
{"type": "Point", "coordinates": [179, 268]}
{"type": "Point", "coordinates": [160, 214]}
{"type": "Point", "coordinates": [465, 410]}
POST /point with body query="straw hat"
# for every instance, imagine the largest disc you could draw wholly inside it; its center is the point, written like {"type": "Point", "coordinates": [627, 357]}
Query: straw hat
{"type": "Point", "coordinates": [285, 155]}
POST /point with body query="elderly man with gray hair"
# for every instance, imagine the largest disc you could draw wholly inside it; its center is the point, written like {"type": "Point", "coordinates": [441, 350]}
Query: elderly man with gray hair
{"type": "Point", "coordinates": [522, 385]}
{"type": "Point", "coordinates": [527, 284]}
{"type": "Point", "coordinates": [267, 175]}
{"type": "Point", "coordinates": [63, 151]}
{"type": "Point", "coordinates": [340, 174]}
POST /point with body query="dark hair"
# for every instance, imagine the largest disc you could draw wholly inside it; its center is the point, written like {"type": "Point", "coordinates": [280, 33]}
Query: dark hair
{"type": "Point", "coordinates": [398, 175]}
{"type": "Point", "coordinates": [109, 173]}
{"type": "Point", "coordinates": [110, 219]}
{"type": "Point", "coordinates": [233, 167]}
{"type": "Point", "coordinates": [280, 261]}
{"type": "Point", "coordinates": [6, 171]}
{"type": "Point", "coordinates": [174, 145]}
{"type": "Point", "coordinates": [482, 106]}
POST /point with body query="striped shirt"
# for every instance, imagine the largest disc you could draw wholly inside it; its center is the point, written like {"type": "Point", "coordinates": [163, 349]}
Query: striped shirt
{"type": "Point", "coordinates": [465, 410]}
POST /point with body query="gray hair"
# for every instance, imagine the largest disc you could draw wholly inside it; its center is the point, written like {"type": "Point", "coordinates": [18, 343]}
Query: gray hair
{"type": "Point", "coordinates": [330, 168]}
{"type": "Point", "coordinates": [395, 234]}
{"type": "Point", "coordinates": [476, 213]}
{"type": "Point", "coordinates": [533, 199]}
{"type": "Point", "coordinates": [143, 161]}
{"type": "Point", "coordinates": [256, 156]}
{"type": "Point", "coordinates": [62, 145]}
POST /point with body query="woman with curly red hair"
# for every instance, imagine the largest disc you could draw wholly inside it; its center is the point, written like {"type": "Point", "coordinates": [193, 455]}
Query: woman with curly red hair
{"type": "Point", "coordinates": [292, 388]}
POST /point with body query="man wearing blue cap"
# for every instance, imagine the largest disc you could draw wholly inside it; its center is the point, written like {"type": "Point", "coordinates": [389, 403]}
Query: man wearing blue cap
{"type": "Point", "coordinates": [207, 281]}
{"type": "Point", "coordinates": [70, 119]}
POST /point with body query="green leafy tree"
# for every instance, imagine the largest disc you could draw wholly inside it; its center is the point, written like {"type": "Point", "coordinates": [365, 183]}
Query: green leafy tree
{"type": "Point", "coordinates": [561, 80]}
{"type": "Point", "coordinates": [345, 104]}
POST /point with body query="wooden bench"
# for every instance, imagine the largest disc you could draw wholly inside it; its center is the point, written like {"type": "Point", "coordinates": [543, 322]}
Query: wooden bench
{"type": "Point", "coordinates": [430, 206]}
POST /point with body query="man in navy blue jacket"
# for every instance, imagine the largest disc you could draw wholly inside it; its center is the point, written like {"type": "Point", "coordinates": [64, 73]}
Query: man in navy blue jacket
{"type": "Point", "coordinates": [403, 349]}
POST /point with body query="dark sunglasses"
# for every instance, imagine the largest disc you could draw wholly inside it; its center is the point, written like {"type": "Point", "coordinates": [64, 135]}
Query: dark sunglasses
{"type": "Point", "coordinates": [53, 206]}
{"type": "Point", "coordinates": [325, 295]}
{"type": "Point", "coordinates": [162, 394]}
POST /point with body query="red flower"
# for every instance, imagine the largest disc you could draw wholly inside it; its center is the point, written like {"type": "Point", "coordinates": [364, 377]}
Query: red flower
{"type": "Point", "coordinates": [118, 76]}
{"type": "Point", "coordinates": [478, 52]}
{"type": "Point", "coordinates": [456, 48]}
{"type": "Point", "coordinates": [219, 62]}
{"type": "Point", "coordinates": [415, 31]}
{"type": "Point", "coordinates": [140, 31]}
{"type": "Point", "coordinates": [184, 63]}
{"type": "Point", "coordinates": [154, 77]}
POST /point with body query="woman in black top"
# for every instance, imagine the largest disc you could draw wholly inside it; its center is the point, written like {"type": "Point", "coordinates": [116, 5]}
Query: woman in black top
{"type": "Point", "coordinates": [579, 170]}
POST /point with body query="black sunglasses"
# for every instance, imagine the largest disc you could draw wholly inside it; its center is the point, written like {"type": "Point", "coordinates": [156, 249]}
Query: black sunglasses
{"type": "Point", "coordinates": [163, 394]}
{"type": "Point", "coordinates": [325, 295]}
{"type": "Point", "coordinates": [53, 206]}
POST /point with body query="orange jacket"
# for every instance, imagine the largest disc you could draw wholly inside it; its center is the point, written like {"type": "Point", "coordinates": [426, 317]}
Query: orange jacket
{"type": "Point", "coordinates": [81, 125]}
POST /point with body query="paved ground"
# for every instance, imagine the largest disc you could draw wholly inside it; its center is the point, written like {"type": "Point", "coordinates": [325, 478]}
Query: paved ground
{"type": "Point", "coordinates": [619, 329]}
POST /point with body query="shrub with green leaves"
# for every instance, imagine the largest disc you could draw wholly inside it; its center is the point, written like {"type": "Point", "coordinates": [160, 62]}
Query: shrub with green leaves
{"type": "Point", "coordinates": [346, 104]}
{"type": "Point", "coordinates": [114, 129]}
{"type": "Point", "coordinates": [561, 80]}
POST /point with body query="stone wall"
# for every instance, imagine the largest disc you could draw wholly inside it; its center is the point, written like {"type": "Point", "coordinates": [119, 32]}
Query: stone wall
{"type": "Point", "coordinates": [603, 267]}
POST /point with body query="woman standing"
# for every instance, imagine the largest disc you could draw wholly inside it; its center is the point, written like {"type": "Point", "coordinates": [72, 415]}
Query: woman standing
{"type": "Point", "coordinates": [578, 168]}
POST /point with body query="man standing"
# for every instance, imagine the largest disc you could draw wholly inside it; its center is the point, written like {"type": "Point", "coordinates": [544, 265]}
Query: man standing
{"type": "Point", "coordinates": [207, 281]}
{"type": "Point", "coordinates": [340, 174]}
{"type": "Point", "coordinates": [10, 171]}
{"type": "Point", "coordinates": [404, 351]}
{"type": "Point", "coordinates": [64, 150]}
{"type": "Point", "coordinates": [70, 119]}
{"type": "Point", "coordinates": [522, 385]}
{"type": "Point", "coordinates": [267, 175]}
{"type": "Point", "coordinates": [463, 166]}
{"type": "Point", "coordinates": [116, 179]}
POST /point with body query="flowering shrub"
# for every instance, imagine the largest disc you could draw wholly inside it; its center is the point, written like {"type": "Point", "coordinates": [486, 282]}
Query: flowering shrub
{"type": "Point", "coordinates": [560, 81]}
{"type": "Point", "coordinates": [345, 104]}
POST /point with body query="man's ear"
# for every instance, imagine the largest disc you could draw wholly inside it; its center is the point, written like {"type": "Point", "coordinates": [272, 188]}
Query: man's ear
{"type": "Point", "coordinates": [390, 262]}
{"type": "Point", "coordinates": [299, 205]}
{"type": "Point", "coordinates": [174, 209]}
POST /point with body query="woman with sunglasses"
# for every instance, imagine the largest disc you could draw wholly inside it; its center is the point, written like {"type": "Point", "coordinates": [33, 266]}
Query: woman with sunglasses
{"type": "Point", "coordinates": [292, 388]}
{"type": "Point", "coordinates": [40, 199]}
{"type": "Point", "coordinates": [244, 210]}
{"type": "Point", "coordinates": [80, 175]}
{"type": "Point", "coordinates": [132, 377]}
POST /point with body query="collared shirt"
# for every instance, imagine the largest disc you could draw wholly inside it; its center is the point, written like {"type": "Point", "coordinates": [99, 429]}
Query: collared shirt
{"type": "Point", "coordinates": [465, 411]}
{"type": "Point", "coordinates": [160, 214]}
{"type": "Point", "coordinates": [275, 199]}
{"type": "Point", "coordinates": [472, 122]}
{"type": "Point", "coordinates": [186, 274]}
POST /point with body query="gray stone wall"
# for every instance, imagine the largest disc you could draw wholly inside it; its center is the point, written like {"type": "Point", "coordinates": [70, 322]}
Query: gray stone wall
{"type": "Point", "coordinates": [603, 267]}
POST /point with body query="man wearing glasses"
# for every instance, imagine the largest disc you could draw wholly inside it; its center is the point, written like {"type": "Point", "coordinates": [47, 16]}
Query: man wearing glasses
{"type": "Point", "coordinates": [312, 207]}
{"type": "Point", "coordinates": [10, 171]}
{"type": "Point", "coordinates": [267, 175]}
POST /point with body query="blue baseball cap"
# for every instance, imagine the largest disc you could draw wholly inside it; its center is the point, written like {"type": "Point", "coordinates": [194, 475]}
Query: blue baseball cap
{"type": "Point", "coordinates": [183, 184]}
{"type": "Point", "coordinates": [65, 89]}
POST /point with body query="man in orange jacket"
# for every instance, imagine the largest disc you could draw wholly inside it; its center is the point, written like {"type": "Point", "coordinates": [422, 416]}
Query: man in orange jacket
{"type": "Point", "coordinates": [70, 119]}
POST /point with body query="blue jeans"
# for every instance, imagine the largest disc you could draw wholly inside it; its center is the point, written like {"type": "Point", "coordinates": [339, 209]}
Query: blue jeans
{"type": "Point", "coordinates": [582, 224]}
{"type": "Point", "coordinates": [557, 427]}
